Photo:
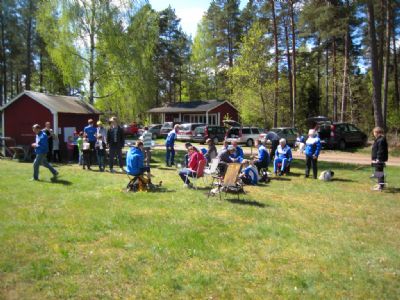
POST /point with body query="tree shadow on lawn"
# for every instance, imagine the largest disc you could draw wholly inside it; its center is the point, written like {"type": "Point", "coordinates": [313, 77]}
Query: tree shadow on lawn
{"type": "Point", "coordinates": [326, 165]}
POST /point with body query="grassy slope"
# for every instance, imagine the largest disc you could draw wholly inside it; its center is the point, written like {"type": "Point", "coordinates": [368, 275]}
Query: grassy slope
{"type": "Point", "coordinates": [84, 238]}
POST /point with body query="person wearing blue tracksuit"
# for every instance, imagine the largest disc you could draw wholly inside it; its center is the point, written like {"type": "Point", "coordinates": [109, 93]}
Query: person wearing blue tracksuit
{"type": "Point", "coordinates": [41, 148]}
{"type": "Point", "coordinates": [238, 155]}
{"type": "Point", "coordinates": [283, 156]}
{"type": "Point", "coordinates": [313, 147]}
{"type": "Point", "coordinates": [170, 146]}
{"type": "Point", "coordinates": [263, 157]}
{"type": "Point", "coordinates": [135, 160]}
{"type": "Point", "coordinates": [249, 175]}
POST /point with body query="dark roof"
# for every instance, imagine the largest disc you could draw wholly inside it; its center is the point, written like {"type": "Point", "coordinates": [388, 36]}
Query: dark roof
{"type": "Point", "coordinates": [193, 106]}
{"type": "Point", "coordinates": [58, 104]}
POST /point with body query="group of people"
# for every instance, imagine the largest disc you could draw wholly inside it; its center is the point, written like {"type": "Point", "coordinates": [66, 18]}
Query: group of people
{"type": "Point", "coordinates": [97, 139]}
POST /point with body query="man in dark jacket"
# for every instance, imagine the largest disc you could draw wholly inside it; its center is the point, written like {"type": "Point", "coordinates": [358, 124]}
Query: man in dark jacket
{"type": "Point", "coordinates": [379, 156]}
{"type": "Point", "coordinates": [115, 141]}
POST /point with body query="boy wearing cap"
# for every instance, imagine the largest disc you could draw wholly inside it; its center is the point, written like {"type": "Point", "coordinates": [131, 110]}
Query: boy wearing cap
{"type": "Point", "coordinates": [313, 147]}
{"type": "Point", "coordinates": [41, 149]}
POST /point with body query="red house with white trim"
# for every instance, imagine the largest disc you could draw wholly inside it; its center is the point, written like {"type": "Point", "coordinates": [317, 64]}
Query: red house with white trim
{"type": "Point", "coordinates": [65, 113]}
{"type": "Point", "coordinates": [212, 112]}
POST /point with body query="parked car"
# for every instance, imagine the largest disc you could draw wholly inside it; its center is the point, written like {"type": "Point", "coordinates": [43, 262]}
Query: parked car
{"type": "Point", "coordinates": [166, 128]}
{"type": "Point", "coordinates": [202, 133]}
{"type": "Point", "coordinates": [186, 131]}
{"type": "Point", "coordinates": [341, 135]}
{"type": "Point", "coordinates": [287, 133]}
{"type": "Point", "coordinates": [155, 130]}
{"type": "Point", "coordinates": [243, 135]}
{"type": "Point", "coordinates": [131, 129]}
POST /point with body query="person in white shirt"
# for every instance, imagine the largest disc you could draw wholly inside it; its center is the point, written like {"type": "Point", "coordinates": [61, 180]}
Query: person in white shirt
{"type": "Point", "coordinates": [146, 138]}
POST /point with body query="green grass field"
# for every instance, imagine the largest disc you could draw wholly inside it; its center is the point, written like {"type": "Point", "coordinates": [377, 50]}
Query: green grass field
{"type": "Point", "coordinates": [83, 237]}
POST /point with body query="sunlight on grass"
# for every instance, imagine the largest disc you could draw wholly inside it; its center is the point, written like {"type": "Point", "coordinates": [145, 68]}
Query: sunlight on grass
{"type": "Point", "coordinates": [83, 237]}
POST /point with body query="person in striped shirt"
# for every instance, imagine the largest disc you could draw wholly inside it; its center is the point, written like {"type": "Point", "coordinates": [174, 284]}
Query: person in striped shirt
{"type": "Point", "coordinates": [147, 141]}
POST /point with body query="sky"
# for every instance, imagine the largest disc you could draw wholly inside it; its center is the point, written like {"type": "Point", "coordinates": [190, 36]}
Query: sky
{"type": "Point", "coordinates": [189, 11]}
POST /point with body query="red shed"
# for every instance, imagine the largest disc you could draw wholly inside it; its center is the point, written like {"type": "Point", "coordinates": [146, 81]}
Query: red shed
{"type": "Point", "coordinates": [65, 113]}
{"type": "Point", "coordinates": [211, 112]}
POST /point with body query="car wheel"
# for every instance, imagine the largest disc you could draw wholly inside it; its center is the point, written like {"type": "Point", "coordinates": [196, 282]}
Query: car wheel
{"type": "Point", "coordinates": [250, 143]}
{"type": "Point", "coordinates": [342, 145]}
{"type": "Point", "coordinates": [215, 140]}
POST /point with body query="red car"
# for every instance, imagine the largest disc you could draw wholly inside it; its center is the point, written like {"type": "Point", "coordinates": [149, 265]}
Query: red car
{"type": "Point", "coordinates": [132, 129]}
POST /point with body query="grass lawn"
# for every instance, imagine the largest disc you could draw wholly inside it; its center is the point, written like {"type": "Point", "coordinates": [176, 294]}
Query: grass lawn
{"type": "Point", "coordinates": [84, 238]}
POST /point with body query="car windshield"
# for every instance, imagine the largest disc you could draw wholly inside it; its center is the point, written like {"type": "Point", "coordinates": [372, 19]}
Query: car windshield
{"type": "Point", "coordinates": [200, 129]}
{"type": "Point", "coordinates": [184, 127]}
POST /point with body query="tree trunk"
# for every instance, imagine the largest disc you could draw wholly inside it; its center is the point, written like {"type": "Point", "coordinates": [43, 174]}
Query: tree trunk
{"type": "Point", "coordinates": [326, 80]}
{"type": "Point", "coordinates": [376, 78]}
{"type": "Point", "coordinates": [92, 52]}
{"type": "Point", "coordinates": [386, 68]}
{"type": "Point", "coordinates": [395, 73]}
{"type": "Point", "coordinates": [276, 75]}
{"type": "Point", "coordinates": [345, 72]}
{"type": "Point", "coordinates": [293, 61]}
{"type": "Point", "coordinates": [334, 85]}
{"type": "Point", "coordinates": [41, 87]}
{"type": "Point", "coordinates": [289, 64]}
{"type": "Point", "coordinates": [4, 57]}
{"type": "Point", "coordinates": [29, 46]}
{"type": "Point", "coordinates": [318, 71]}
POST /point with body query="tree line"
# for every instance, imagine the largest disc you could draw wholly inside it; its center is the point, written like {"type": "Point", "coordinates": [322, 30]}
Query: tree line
{"type": "Point", "coordinates": [279, 62]}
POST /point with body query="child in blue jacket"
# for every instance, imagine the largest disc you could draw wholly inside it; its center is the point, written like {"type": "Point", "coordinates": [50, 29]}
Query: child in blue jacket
{"type": "Point", "coordinates": [135, 160]}
{"type": "Point", "coordinates": [313, 147]}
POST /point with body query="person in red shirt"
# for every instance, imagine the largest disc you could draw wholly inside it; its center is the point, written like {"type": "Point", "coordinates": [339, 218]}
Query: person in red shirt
{"type": "Point", "coordinates": [195, 156]}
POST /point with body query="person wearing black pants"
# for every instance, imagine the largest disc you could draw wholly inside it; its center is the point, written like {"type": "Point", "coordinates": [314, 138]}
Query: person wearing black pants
{"type": "Point", "coordinates": [313, 147]}
{"type": "Point", "coordinates": [379, 156]}
{"type": "Point", "coordinates": [115, 141]}
{"type": "Point", "coordinates": [49, 133]}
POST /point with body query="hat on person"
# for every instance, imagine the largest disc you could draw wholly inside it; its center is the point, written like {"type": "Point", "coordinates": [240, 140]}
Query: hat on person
{"type": "Point", "coordinates": [99, 123]}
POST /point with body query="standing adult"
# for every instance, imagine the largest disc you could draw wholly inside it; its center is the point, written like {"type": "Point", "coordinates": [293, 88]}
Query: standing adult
{"type": "Point", "coordinates": [211, 151]}
{"type": "Point", "coordinates": [313, 147]}
{"type": "Point", "coordinates": [147, 141]}
{"type": "Point", "coordinates": [170, 146]}
{"type": "Point", "coordinates": [49, 132]}
{"type": "Point", "coordinates": [274, 139]}
{"type": "Point", "coordinates": [379, 155]}
{"type": "Point", "coordinates": [41, 149]}
{"type": "Point", "coordinates": [101, 130]}
{"type": "Point", "coordinates": [115, 141]}
{"type": "Point", "coordinates": [90, 131]}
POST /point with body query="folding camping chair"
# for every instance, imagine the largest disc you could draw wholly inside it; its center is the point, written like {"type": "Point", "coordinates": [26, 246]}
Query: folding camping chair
{"type": "Point", "coordinates": [199, 173]}
{"type": "Point", "coordinates": [230, 182]}
{"type": "Point", "coordinates": [141, 183]}
{"type": "Point", "coordinates": [212, 169]}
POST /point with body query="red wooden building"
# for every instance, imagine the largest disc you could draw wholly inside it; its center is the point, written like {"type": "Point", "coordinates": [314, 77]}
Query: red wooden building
{"type": "Point", "coordinates": [211, 112]}
{"type": "Point", "coordinates": [65, 113]}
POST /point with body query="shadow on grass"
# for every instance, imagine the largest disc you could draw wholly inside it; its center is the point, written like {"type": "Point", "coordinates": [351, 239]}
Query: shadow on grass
{"type": "Point", "coordinates": [59, 181]}
{"type": "Point", "coordinates": [342, 180]}
{"type": "Point", "coordinates": [392, 190]}
{"type": "Point", "coordinates": [245, 202]}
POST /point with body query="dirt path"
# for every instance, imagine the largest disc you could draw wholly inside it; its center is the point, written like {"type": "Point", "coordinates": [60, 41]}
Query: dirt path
{"type": "Point", "coordinates": [326, 155]}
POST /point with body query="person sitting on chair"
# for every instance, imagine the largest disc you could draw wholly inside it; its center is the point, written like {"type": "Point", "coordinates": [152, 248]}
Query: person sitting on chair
{"type": "Point", "coordinates": [283, 156]}
{"type": "Point", "coordinates": [135, 160]}
{"type": "Point", "coordinates": [186, 157]}
{"type": "Point", "coordinates": [225, 158]}
{"type": "Point", "coordinates": [238, 155]}
{"type": "Point", "coordinates": [262, 160]}
{"type": "Point", "coordinates": [249, 174]}
{"type": "Point", "coordinates": [195, 156]}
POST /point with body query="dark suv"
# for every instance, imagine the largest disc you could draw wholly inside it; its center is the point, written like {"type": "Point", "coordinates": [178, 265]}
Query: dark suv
{"type": "Point", "coordinates": [341, 135]}
{"type": "Point", "coordinates": [202, 133]}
